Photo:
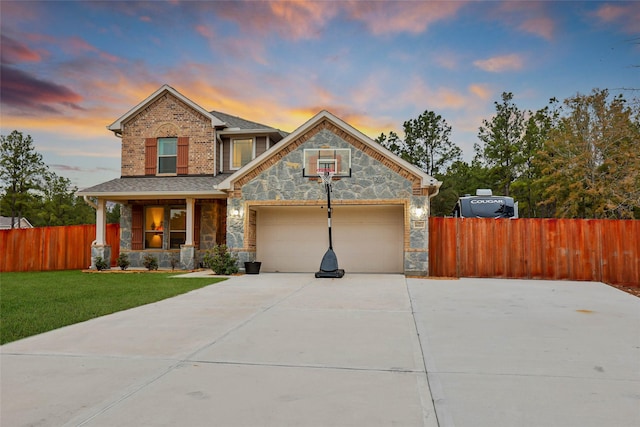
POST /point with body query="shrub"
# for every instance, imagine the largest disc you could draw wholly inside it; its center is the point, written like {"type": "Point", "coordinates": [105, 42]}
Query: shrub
{"type": "Point", "coordinates": [220, 260]}
{"type": "Point", "coordinates": [101, 264]}
{"type": "Point", "coordinates": [174, 260]}
{"type": "Point", "coordinates": [150, 262]}
{"type": "Point", "coordinates": [123, 261]}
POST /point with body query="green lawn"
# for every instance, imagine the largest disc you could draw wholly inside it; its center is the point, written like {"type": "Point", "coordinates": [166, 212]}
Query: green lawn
{"type": "Point", "coordinates": [32, 303]}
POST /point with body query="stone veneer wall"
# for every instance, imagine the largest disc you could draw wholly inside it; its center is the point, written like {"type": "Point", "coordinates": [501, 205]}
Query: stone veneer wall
{"type": "Point", "coordinates": [167, 116]}
{"type": "Point", "coordinates": [371, 181]}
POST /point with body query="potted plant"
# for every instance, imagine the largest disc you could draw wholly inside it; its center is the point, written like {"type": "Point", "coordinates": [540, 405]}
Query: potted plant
{"type": "Point", "coordinates": [252, 267]}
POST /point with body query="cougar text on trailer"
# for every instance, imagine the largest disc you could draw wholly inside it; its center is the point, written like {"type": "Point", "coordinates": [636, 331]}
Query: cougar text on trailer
{"type": "Point", "coordinates": [485, 205]}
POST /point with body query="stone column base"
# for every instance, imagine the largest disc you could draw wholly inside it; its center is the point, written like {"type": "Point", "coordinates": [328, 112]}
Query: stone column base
{"type": "Point", "coordinates": [103, 251]}
{"type": "Point", "coordinates": [187, 257]}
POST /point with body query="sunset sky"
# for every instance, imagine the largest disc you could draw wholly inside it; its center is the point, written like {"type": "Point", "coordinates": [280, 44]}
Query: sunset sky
{"type": "Point", "coordinates": [71, 68]}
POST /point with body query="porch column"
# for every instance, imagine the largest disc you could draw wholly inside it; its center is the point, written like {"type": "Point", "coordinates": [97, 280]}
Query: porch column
{"type": "Point", "coordinates": [101, 222]}
{"type": "Point", "coordinates": [190, 222]}
{"type": "Point", "coordinates": [99, 248]}
{"type": "Point", "coordinates": [188, 251]}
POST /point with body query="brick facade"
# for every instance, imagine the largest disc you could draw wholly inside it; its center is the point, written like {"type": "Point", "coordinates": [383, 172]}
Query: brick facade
{"type": "Point", "coordinates": [168, 116]}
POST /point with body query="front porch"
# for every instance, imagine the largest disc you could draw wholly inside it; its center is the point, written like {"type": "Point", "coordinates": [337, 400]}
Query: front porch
{"type": "Point", "coordinates": [161, 217]}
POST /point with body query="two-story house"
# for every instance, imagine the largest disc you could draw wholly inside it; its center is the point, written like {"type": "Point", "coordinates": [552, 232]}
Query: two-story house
{"type": "Point", "coordinates": [193, 178]}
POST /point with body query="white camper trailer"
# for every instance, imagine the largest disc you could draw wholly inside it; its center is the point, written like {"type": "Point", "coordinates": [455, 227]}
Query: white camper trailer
{"type": "Point", "coordinates": [485, 205]}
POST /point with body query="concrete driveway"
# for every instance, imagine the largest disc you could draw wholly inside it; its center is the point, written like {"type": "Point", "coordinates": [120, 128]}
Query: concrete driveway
{"type": "Point", "coordinates": [364, 350]}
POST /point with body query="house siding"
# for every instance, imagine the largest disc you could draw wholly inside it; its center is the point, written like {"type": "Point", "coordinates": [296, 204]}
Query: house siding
{"type": "Point", "coordinates": [261, 147]}
{"type": "Point", "coordinates": [167, 116]}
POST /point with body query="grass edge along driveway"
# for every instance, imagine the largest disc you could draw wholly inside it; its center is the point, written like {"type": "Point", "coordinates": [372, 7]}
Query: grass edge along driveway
{"type": "Point", "coordinates": [36, 302]}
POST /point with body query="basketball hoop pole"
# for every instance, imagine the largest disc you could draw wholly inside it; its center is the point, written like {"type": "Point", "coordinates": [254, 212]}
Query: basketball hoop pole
{"type": "Point", "coordinates": [327, 186]}
{"type": "Point", "coordinates": [329, 265]}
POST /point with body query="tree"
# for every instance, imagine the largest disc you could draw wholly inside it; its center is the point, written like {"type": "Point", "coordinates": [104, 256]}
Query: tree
{"type": "Point", "coordinates": [113, 214]}
{"type": "Point", "coordinates": [524, 189]}
{"type": "Point", "coordinates": [591, 162]}
{"type": "Point", "coordinates": [21, 168]}
{"type": "Point", "coordinates": [392, 142]}
{"type": "Point", "coordinates": [460, 179]}
{"type": "Point", "coordinates": [59, 205]}
{"type": "Point", "coordinates": [501, 139]}
{"type": "Point", "coordinates": [426, 143]}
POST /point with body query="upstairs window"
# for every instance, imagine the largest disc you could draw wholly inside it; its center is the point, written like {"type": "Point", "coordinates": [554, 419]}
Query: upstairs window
{"type": "Point", "coordinates": [167, 155]}
{"type": "Point", "coordinates": [242, 152]}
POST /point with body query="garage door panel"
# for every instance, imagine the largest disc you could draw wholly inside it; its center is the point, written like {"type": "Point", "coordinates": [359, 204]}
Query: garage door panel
{"type": "Point", "coordinates": [365, 238]}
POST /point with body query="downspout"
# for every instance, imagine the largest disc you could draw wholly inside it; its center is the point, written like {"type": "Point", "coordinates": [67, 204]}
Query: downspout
{"type": "Point", "coordinates": [216, 137]}
{"type": "Point", "coordinates": [90, 202]}
{"type": "Point", "coordinates": [431, 196]}
{"type": "Point", "coordinates": [220, 144]}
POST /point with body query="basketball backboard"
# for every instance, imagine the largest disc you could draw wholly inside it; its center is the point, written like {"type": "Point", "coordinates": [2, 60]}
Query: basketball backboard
{"type": "Point", "coordinates": [336, 160]}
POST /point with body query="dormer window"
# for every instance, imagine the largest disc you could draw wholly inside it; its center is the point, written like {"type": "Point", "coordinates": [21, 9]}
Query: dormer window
{"type": "Point", "coordinates": [242, 152]}
{"type": "Point", "coordinates": [167, 155]}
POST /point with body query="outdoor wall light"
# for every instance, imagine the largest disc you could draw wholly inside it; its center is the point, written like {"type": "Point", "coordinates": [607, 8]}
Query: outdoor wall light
{"type": "Point", "coordinates": [235, 212]}
{"type": "Point", "coordinates": [418, 212]}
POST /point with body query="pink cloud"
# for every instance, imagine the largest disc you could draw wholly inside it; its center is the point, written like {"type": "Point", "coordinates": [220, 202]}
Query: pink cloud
{"type": "Point", "coordinates": [402, 17]}
{"type": "Point", "coordinates": [448, 60]}
{"type": "Point", "coordinates": [480, 91]}
{"type": "Point", "coordinates": [205, 31]}
{"type": "Point", "coordinates": [25, 92]}
{"type": "Point", "coordinates": [627, 15]}
{"type": "Point", "coordinates": [77, 46]}
{"type": "Point", "coordinates": [301, 19]}
{"type": "Point", "coordinates": [14, 51]}
{"type": "Point", "coordinates": [530, 17]}
{"type": "Point", "coordinates": [499, 64]}
{"type": "Point", "coordinates": [293, 20]}
{"type": "Point", "coordinates": [541, 26]}
{"type": "Point", "coordinates": [245, 47]}
{"type": "Point", "coordinates": [145, 19]}
{"type": "Point", "coordinates": [304, 19]}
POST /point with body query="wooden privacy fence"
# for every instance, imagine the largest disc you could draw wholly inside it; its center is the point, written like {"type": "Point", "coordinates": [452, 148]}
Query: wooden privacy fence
{"type": "Point", "coordinates": [561, 249]}
{"type": "Point", "coordinates": [53, 248]}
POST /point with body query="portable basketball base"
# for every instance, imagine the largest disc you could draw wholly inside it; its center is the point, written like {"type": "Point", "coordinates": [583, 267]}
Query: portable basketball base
{"type": "Point", "coordinates": [329, 265]}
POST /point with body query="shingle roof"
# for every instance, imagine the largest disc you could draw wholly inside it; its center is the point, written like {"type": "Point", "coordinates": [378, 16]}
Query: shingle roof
{"type": "Point", "coordinates": [238, 122]}
{"type": "Point", "coordinates": [243, 124]}
{"type": "Point", "coordinates": [5, 223]}
{"type": "Point", "coordinates": [165, 186]}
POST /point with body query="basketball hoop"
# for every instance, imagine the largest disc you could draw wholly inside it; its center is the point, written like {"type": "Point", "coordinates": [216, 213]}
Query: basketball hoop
{"type": "Point", "coordinates": [326, 175]}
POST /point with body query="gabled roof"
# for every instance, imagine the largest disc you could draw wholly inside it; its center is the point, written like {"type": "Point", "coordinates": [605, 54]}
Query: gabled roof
{"type": "Point", "coordinates": [5, 223]}
{"type": "Point", "coordinates": [117, 125]}
{"type": "Point", "coordinates": [426, 181]}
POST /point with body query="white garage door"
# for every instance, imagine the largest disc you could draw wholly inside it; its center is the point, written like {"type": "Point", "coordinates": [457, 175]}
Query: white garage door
{"type": "Point", "coordinates": [366, 239]}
